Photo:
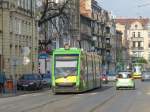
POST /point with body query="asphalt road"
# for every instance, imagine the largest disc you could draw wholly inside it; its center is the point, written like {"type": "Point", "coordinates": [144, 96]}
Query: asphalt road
{"type": "Point", "coordinates": [106, 99]}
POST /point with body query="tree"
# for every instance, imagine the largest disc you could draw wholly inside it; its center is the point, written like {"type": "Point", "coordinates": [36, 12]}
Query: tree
{"type": "Point", "coordinates": [142, 60]}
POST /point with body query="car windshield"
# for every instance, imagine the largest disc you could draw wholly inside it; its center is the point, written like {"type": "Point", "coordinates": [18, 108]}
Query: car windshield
{"type": "Point", "coordinates": [28, 77]}
{"type": "Point", "coordinates": [111, 74]}
{"type": "Point", "coordinates": [124, 75]}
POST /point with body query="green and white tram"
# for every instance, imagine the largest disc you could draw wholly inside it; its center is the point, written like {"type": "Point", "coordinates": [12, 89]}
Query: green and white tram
{"type": "Point", "coordinates": [75, 71]}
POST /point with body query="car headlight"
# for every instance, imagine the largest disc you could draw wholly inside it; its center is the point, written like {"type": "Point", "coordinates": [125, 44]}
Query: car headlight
{"type": "Point", "coordinates": [31, 83]}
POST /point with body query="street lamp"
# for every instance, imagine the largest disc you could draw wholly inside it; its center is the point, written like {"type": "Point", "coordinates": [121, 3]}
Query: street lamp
{"type": "Point", "coordinates": [108, 58]}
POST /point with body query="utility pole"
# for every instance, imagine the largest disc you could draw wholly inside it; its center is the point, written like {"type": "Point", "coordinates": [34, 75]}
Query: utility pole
{"type": "Point", "coordinates": [2, 32]}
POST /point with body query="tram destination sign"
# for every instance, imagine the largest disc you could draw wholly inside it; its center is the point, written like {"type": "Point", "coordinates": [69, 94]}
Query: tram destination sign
{"type": "Point", "coordinates": [66, 57]}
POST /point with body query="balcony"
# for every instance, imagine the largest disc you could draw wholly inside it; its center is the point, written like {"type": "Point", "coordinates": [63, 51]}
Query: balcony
{"type": "Point", "coordinates": [137, 38]}
{"type": "Point", "coordinates": [108, 46]}
{"type": "Point", "coordinates": [137, 48]}
{"type": "Point", "coordinates": [98, 45]}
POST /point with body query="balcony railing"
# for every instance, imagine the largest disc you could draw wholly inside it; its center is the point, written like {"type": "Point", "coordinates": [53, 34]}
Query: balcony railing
{"type": "Point", "coordinates": [137, 48]}
{"type": "Point", "coordinates": [108, 46]}
{"type": "Point", "coordinates": [137, 38]}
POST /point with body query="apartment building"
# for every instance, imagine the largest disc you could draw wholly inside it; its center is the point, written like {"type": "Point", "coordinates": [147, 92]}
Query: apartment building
{"type": "Point", "coordinates": [18, 31]}
{"type": "Point", "coordinates": [85, 26]}
{"type": "Point", "coordinates": [136, 35]}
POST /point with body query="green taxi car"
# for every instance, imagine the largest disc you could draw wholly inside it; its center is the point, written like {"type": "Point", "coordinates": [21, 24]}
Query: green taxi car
{"type": "Point", "coordinates": [124, 80]}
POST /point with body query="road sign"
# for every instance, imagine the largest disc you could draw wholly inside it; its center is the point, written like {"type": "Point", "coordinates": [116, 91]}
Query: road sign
{"type": "Point", "coordinates": [43, 56]}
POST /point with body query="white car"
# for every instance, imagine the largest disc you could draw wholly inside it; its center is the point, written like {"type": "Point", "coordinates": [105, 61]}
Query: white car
{"type": "Point", "coordinates": [111, 77]}
{"type": "Point", "coordinates": [125, 80]}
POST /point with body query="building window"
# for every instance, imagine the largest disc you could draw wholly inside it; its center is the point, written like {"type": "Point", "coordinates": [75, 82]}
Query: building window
{"type": "Point", "coordinates": [107, 40]}
{"type": "Point", "coordinates": [139, 35]}
{"type": "Point", "coordinates": [29, 4]}
{"type": "Point", "coordinates": [149, 56]}
{"type": "Point", "coordinates": [149, 45]}
{"type": "Point", "coordinates": [11, 24]}
{"type": "Point", "coordinates": [149, 34]}
{"type": "Point", "coordinates": [19, 27]}
{"type": "Point", "coordinates": [134, 44]}
{"type": "Point", "coordinates": [22, 3]}
{"type": "Point", "coordinates": [133, 34]}
{"type": "Point", "coordinates": [140, 44]}
{"type": "Point", "coordinates": [18, 2]}
{"type": "Point", "coordinates": [140, 54]}
{"type": "Point", "coordinates": [15, 25]}
{"type": "Point", "coordinates": [136, 26]}
{"type": "Point", "coordinates": [26, 4]}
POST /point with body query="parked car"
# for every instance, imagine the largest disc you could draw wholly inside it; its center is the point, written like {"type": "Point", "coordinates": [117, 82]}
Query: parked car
{"type": "Point", "coordinates": [46, 78]}
{"type": "Point", "coordinates": [104, 78]}
{"type": "Point", "coordinates": [124, 80]}
{"type": "Point", "coordinates": [30, 82]}
{"type": "Point", "coordinates": [145, 75]}
{"type": "Point", "coordinates": [111, 77]}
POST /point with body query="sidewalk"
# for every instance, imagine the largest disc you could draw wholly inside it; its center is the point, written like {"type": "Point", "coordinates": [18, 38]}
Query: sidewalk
{"type": "Point", "coordinates": [12, 94]}
{"type": "Point", "coordinates": [19, 92]}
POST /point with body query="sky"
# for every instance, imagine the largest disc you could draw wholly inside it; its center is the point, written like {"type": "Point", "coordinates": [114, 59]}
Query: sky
{"type": "Point", "coordinates": [127, 8]}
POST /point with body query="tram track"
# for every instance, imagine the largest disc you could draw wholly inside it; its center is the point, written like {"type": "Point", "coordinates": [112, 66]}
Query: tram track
{"type": "Point", "coordinates": [47, 103]}
{"type": "Point", "coordinates": [111, 98]}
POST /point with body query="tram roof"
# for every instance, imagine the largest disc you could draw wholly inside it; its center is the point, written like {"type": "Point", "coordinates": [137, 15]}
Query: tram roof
{"type": "Point", "coordinates": [70, 50]}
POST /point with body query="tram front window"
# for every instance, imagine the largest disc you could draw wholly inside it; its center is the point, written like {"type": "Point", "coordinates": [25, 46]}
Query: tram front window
{"type": "Point", "coordinates": [65, 68]}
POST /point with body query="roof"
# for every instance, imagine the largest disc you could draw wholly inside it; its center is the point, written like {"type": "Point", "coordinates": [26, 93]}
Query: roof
{"type": "Point", "coordinates": [70, 50]}
{"type": "Point", "coordinates": [129, 21]}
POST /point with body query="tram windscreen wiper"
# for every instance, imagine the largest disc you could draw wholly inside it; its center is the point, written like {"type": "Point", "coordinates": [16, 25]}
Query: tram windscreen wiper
{"type": "Point", "coordinates": [65, 72]}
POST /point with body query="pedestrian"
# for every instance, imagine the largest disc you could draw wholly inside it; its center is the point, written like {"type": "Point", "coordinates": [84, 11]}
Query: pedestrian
{"type": "Point", "coordinates": [2, 82]}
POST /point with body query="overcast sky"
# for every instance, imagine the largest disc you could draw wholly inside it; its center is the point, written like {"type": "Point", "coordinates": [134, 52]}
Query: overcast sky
{"type": "Point", "coordinates": [127, 8]}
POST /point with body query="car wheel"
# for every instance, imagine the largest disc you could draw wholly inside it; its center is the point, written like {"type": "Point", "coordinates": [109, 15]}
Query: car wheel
{"type": "Point", "coordinates": [18, 88]}
{"type": "Point", "coordinates": [41, 86]}
{"type": "Point", "coordinates": [38, 87]}
{"type": "Point", "coordinates": [142, 80]}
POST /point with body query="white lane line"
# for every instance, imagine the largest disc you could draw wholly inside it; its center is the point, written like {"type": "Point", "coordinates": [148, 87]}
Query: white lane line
{"type": "Point", "coordinates": [93, 93]}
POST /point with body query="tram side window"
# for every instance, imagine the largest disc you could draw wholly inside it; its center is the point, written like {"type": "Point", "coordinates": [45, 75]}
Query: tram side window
{"type": "Point", "coordinates": [83, 67]}
{"type": "Point", "coordinates": [93, 67]}
{"type": "Point", "coordinates": [94, 63]}
{"type": "Point", "coordinates": [89, 66]}
{"type": "Point", "coordinates": [97, 66]}
{"type": "Point", "coordinates": [86, 66]}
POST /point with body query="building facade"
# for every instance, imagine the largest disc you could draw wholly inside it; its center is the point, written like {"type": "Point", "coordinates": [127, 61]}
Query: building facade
{"type": "Point", "coordinates": [136, 32]}
{"type": "Point", "coordinates": [86, 26]}
{"type": "Point", "coordinates": [18, 31]}
{"type": "Point", "coordinates": [111, 45]}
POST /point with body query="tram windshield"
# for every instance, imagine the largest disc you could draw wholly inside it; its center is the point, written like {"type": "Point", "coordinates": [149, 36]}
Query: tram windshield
{"type": "Point", "coordinates": [66, 66]}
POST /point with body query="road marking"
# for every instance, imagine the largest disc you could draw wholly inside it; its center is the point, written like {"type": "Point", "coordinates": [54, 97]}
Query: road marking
{"type": "Point", "coordinates": [148, 93]}
{"type": "Point", "coordinates": [93, 93]}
